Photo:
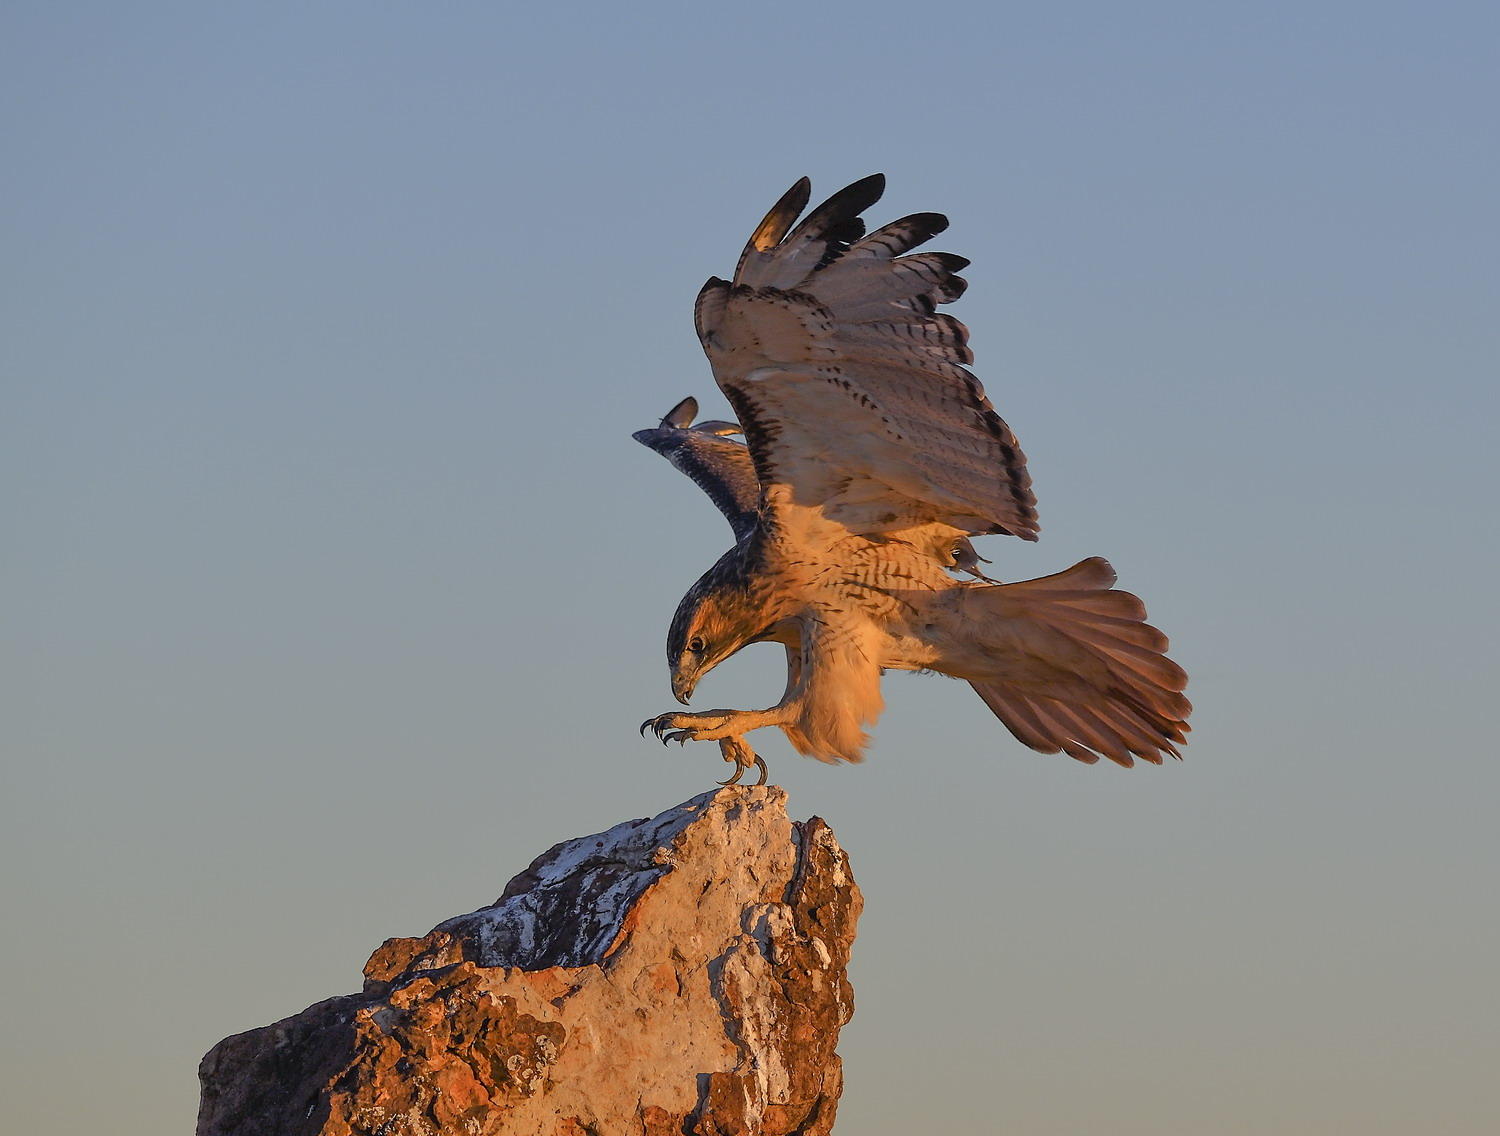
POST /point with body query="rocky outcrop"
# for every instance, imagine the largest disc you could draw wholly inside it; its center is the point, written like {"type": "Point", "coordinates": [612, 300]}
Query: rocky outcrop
{"type": "Point", "coordinates": [684, 974]}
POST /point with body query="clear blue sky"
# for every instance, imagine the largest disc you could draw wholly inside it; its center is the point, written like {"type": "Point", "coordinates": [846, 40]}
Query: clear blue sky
{"type": "Point", "coordinates": [334, 586]}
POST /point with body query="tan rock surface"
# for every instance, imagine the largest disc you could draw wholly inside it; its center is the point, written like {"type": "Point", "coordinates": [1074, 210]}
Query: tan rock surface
{"type": "Point", "coordinates": [684, 974]}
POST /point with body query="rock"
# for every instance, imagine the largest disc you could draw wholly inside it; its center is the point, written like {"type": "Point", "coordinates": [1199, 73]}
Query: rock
{"type": "Point", "coordinates": [684, 974]}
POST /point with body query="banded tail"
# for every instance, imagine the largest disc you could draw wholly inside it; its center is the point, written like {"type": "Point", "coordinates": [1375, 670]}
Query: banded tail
{"type": "Point", "coordinates": [1081, 671]}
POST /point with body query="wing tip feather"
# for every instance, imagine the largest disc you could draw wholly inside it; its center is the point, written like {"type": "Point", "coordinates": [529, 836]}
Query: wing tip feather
{"type": "Point", "coordinates": [778, 220]}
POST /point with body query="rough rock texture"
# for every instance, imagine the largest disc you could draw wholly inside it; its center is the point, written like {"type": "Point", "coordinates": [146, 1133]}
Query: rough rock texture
{"type": "Point", "coordinates": [683, 974]}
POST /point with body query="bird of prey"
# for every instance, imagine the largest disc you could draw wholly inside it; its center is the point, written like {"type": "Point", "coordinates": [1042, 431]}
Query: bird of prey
{"type": "Point", "coordinates": [870, 457]}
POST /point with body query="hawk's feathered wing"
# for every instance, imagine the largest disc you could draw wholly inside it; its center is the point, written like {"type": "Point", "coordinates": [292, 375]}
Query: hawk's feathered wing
{"type": "Point", "coordinates": [719, 465]}
{"type": "Point", "coordinates": [724, 470]}
{"type": "Point", "coordinates": [850, 386]}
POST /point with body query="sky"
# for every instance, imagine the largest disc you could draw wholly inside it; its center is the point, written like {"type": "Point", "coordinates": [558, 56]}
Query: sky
{"type": "Point", "coordinates": [334, 587]}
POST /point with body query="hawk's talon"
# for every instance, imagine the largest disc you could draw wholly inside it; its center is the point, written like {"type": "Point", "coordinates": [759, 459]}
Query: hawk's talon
{"type": "Point", "coordinates": [658, 726]}
{"type": "Point", "coordinates": [675, 727]}
{"type": "Point", "coordinates": [734, 749]}
{"type": "Point", "coordinates": [739, 771]}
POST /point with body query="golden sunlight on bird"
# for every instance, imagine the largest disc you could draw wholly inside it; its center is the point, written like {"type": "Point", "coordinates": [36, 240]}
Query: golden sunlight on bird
{"type": "Point", "coordinates": [870, 457]}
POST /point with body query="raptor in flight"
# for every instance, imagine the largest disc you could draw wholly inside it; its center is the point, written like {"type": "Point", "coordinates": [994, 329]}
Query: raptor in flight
{"type": "Point", "coordinates": [870, 456]}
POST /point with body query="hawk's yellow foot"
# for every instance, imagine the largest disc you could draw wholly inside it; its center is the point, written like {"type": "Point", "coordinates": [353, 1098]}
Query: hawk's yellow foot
{"type": "Point", "coordinates": [735, 750]}
{"type": "Point", "coordinates": [691, 727]}
{"type": "Point", "coordinates": [715, 726]}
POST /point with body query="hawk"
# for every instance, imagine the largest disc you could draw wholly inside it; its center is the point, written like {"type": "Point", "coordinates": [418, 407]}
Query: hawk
{"type": "Point", "coordinates": [870, 457]}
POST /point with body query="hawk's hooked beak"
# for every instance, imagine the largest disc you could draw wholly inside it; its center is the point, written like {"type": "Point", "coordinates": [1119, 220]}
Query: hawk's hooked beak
{"type": "Point", "coordinates": [682, 687]}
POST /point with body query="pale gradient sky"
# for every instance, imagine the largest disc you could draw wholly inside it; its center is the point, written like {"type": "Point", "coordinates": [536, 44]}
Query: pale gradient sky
{"type": "Point", "coordinates": [335, 587]}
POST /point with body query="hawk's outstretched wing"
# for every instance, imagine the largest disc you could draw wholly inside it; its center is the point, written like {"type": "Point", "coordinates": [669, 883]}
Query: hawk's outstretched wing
{"type": "Point", "coordinates": [851, 389]}
{"type": "Point", "coordinates": [721, 466]}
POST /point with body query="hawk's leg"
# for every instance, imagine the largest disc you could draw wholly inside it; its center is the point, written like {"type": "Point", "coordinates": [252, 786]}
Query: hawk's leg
{"type": "Point", "coordinates": [715, 725]}
{"type": "Point", "coordinates": [723, 726]}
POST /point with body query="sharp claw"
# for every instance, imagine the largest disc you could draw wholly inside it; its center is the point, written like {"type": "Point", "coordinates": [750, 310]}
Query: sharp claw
{"type": "Point", "coordinates": [739, 771]}
{"type": "Point", "coordinates": [760, 763]}
{"type": "Point", "coordinates": [658, 726]}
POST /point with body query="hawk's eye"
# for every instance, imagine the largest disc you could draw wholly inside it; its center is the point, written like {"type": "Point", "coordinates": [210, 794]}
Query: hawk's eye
{"type": "Point", "coordinates": [696, 645]}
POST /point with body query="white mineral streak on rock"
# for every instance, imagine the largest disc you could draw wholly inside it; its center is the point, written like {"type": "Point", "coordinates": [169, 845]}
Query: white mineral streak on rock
{"type": "Point", "coordinates": [679, 974]}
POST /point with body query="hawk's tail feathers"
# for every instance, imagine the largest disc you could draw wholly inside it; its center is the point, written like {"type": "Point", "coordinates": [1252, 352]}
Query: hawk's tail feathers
{"type": "Point", "coordinates": [1085, 674]}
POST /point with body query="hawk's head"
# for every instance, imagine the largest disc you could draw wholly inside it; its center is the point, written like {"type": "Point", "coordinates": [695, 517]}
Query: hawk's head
{"type": "Point", "coordinates": [719, 615]}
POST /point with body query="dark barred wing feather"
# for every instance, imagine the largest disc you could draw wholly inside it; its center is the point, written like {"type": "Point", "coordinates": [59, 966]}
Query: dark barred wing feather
{"type": "Point", "coordinates": [719, 465]}
{"type": "Point", "coordinates": [851, 388]}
